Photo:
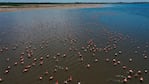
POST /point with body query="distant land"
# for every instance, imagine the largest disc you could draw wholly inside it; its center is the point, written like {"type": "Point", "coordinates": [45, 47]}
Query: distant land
{"type": "Point", "coordinates": [15, 6]}
{"type": "Point", "coordinates": [23, 3]}
{"type": "Point", "coordinates": [10, 7]}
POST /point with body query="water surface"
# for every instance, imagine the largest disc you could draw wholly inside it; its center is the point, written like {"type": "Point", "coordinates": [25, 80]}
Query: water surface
{"type": "Point", "coordinates": [95, 33]}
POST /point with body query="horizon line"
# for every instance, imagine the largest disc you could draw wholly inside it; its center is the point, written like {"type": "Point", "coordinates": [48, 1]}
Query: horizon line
{"type": "Point", "coordinates": [75, 2]}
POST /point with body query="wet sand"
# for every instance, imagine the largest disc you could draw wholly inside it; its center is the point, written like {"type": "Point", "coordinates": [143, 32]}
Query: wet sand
{"type": "Point", "coordinates": [43, 6]}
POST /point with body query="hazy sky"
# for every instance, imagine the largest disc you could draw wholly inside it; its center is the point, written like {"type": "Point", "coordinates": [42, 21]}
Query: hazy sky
{"type": "Point", "coordinates": [74, 0]}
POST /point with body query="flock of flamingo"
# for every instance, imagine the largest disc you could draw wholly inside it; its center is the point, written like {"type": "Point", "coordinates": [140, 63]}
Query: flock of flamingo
{"type": "Point", "coordinates": [91, 47]}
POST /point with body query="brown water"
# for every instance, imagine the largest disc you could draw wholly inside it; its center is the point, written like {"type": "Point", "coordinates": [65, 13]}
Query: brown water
{"type": "Point", "coordinates": [77, 33]}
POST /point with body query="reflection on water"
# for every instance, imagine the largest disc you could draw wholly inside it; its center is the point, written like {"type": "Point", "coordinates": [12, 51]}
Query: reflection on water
{"type": "Point", "coordinates": [87, 46]}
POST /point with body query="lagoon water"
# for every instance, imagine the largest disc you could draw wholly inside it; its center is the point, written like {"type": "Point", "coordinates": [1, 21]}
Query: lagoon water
{"type": "Point", "coordinates": [87, 36]}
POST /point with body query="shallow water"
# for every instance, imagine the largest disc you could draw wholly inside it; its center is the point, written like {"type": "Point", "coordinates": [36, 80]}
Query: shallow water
{"type": "Point", "coordinates": [66, 31]}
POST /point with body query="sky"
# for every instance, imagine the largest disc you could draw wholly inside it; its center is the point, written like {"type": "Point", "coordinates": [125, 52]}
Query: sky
{"type": "Point", "coordinates": [74, 0]}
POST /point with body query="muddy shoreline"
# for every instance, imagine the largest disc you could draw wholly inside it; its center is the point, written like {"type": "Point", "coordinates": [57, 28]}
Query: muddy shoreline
{"type": "Point", "coordinates": [7, 8]}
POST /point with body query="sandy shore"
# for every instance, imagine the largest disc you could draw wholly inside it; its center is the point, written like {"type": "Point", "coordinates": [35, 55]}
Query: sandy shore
{"type": "Point", "coordinates": [43, 6]}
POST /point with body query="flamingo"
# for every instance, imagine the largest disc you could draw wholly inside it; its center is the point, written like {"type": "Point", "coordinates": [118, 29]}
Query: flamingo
{"type": "Point", "coordinates": [1, 79]}
{"type": "Point", "coordinates": [51, 77]}
{"type": "Point", "coordinates": [125, 80]}
{"type": "Point", "coordinates": [56, 82]}
{"type": "Point", "coordinates": [70, 78]}
{"type": "Point", "coordinates": [141, 79]}
{"type": "Point", "coordinates": [124, 67]}
{"type": "Point", "coordinates": [6, 71]}
{"type": "Point", "coordinates": [145, 71]}
{"type": "Point", "coordinates": [40, 78]}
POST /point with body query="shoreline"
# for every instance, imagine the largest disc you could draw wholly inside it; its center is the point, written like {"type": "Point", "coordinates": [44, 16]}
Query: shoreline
{"type": "Point", "coordinates": [43, 6]}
